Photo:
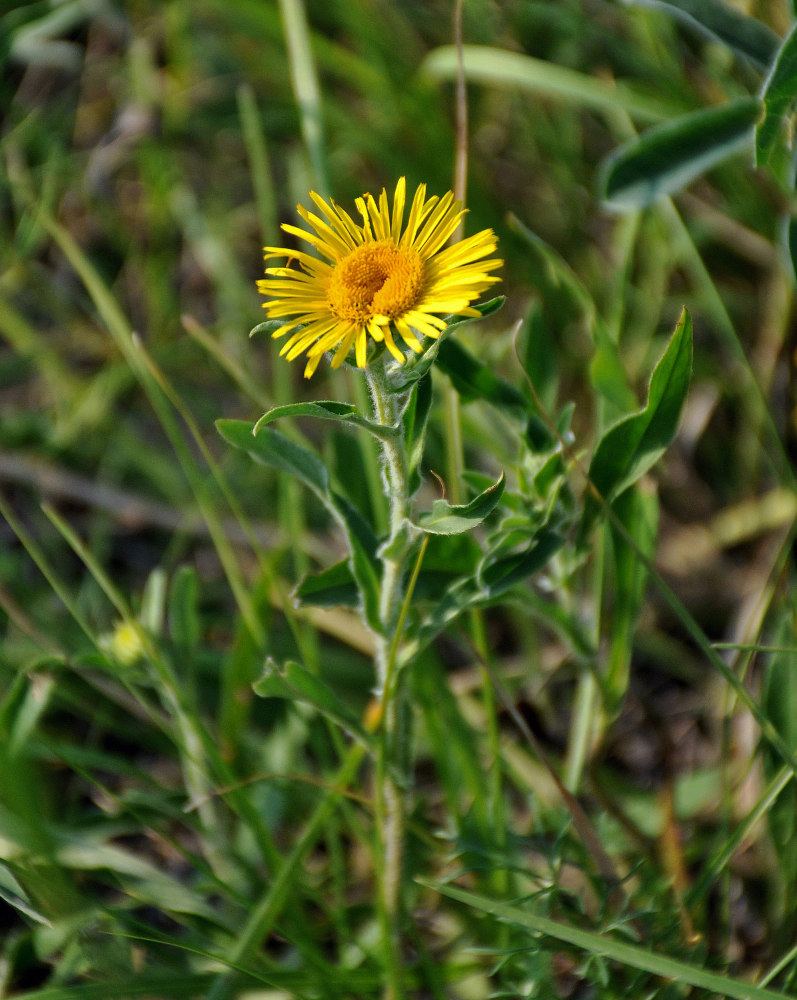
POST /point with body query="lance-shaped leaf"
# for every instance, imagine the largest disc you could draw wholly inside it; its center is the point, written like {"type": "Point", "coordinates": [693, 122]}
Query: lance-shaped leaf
{"type": "Point", "coordinates": [502, 68]}
{"type": "Point", "coordinates": [14, 894]}
{"type": "Point", "coordinates": [498, 574]}
{"type": "Point", "coordinates": [447, 559]}
{"type": "Point", "coordinates": [745, 35]}
{"type": "Point", "coordinates": [632, 445]}
{"type": "Point", "coordinates": [778, 95]}
{"type": "Point", "coordinates": [293, 682]}
{"type": "Point", "coordinates": [266, 328]}
{"type": "Point", "coordinates": [638, 512]}
{"type": "Point", "coordinates": [331, 587]}
{"type": "Point", "coordinates": [569, 300]}
{"type": "Point", "coordinates": [780, 701]}
{"type": "Point", "coordinates": [323, 409]}
{"type": "Point", "coordinates": [363, 546]}
{"type": "Point", "coordinates": [452, 519]}
{"type": "Point", "coordinates": [667, 157]}
{"type": "Point", "coordinates": [275, 450]}
{"type": "Point", "coordinates": [474, 380]}
{"type": "Point", "coordinates": [413, 421]}
{"type": "Point", "coordinates": [400, 379]}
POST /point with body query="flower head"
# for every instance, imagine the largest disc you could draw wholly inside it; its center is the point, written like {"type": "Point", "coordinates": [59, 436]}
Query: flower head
{"type": "Point", "coordinates": [375, 279]}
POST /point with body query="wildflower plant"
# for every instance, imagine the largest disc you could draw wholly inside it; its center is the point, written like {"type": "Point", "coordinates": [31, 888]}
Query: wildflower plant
{"type": "Point", "coordinates": [389, 296]}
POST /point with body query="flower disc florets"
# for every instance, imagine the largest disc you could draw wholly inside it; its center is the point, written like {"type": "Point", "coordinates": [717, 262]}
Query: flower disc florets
{"type": "Point", "coordinates": [379, 278]}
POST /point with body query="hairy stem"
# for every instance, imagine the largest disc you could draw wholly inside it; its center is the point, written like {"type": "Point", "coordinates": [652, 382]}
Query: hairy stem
{"type": "Point", "coordinates": [393, 754]}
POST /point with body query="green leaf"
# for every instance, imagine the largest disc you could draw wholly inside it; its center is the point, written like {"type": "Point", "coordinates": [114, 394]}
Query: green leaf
{"type": "Point", "coordinates": [632, 445]}
{"type": "Point", "coordinates": [14, 894]}
{"type": "Point", "coordinates": [539, 356]}
{"type": "Point", "coordinates": [402, 377]}
{"type": "Point", "coordinates": [666, 158]}
{"type": "Point", "coordinates": [474, 380]}
{"type": "Point", "coordinates": [745, 35]}
{"type": "Point", "coordinates": [331, 587]}
{"type": "Point", "coordinates": [365, 566]}
{"type": "Point", "coordinates": [413, 421]}
{"type": "Point", "coordinates": [324, 409]}
{"type": "Point", "coordinates": [567, 300]}
{"type": "Point", "coordinates": [498, 573]}
{"type": "Point", "coordinates": [275, 450]}
{"type": "Point", "coordinates": [500, 67]}
{"type": "Point", "coordinates": [779, 698]}
{"type": "Point", "coordinates": [447, 559]}
{"type": "Point", "coordinates": [452, 519]}
{"type": "Point", "coordinates": [638, 512]}
{"type": "Point", "coordinates": [778, 94]}
{"type": "Point", "coordinates": [293, 682]}
{"type": "Point", "coordinates": [267, 327]}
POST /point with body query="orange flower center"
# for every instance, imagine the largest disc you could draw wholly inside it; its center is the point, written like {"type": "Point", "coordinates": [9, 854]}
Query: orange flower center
{"type": "Point", "coordinates": [376, 279]}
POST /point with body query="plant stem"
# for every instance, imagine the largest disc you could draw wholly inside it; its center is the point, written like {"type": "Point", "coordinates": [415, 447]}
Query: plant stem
{"type": "Point", "coordinates": [393, 748]}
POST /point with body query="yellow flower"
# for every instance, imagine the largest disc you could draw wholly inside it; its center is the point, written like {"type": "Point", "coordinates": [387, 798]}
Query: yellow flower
{"type": "Point", "coordinates": [124, 643]}
{"type": "Point", "coordinates": [378, 279]}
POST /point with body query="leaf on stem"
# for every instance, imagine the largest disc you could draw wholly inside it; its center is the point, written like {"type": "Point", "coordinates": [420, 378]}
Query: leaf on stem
{"type": "Point", "coordinates": [413, 421]}
{"type": "Point", "coordinates": [363, 545]}
{"type": "Point", "coordinates": [667, 157]}
{"type": "Point", "coordinates": [401, 378]}
{"type": "Point", "coordinates": [323, 409]}
{"type": "Point", "coordinates": [636, 442]}
{"type": "Point", "coordinates": [331, 587]}
{"type": "Point", "coordinates": [474, 380]}
{"type": "Point", "coordinates": [452, 519]}
{"type": "Point", "coordinates": [271, 448]}
{"type": "Point", "coordinates": [498, 573]}
{"type": "Point", "coordinates": [746, 35]}
{"type": "Point", "coordinates": [293, 682]}
{"type": "Point", "coordinates": [638, 512]}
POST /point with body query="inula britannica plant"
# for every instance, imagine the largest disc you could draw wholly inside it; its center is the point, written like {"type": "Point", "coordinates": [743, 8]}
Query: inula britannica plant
{"type": "Point", "coordinates": [383, 282]}
{"type": "Point", "coordinates": [385, 293]}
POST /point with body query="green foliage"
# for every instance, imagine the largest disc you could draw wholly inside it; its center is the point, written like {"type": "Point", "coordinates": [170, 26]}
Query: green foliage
{"type": "Point", "coordinates": [778, 95]}
{"type": "Point", "coordinates": [745, 35]}
{"type": "Point", "coordinates": [666, 158]}
{"type": "Point", "coordinates": [637, 441]}
{"type": "Point", "coordinates": [452, 519]}
{"type": "Point", "coordinates": [601, 684]}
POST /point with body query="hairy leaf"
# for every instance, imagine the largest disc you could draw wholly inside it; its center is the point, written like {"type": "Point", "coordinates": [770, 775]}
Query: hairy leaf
{"type": "Point", "coordinates": [452, 519]}
{"type": "Point", "coordinates": [667, 157]}
{"type": "Point", "coordinates": [745, 35]}
{"type": "Point", "coordinates": [632, 445]}
{"type": "Point", "coordinates": [294, 682]}
{"type": "Point", "coordinates": [271, 448]}
{"type": "Point", "coordinates": [475, 380]}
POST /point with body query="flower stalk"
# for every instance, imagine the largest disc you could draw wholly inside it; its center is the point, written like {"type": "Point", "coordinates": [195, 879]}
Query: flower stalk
{"type": "Point", "coordinates": [393, 754]}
